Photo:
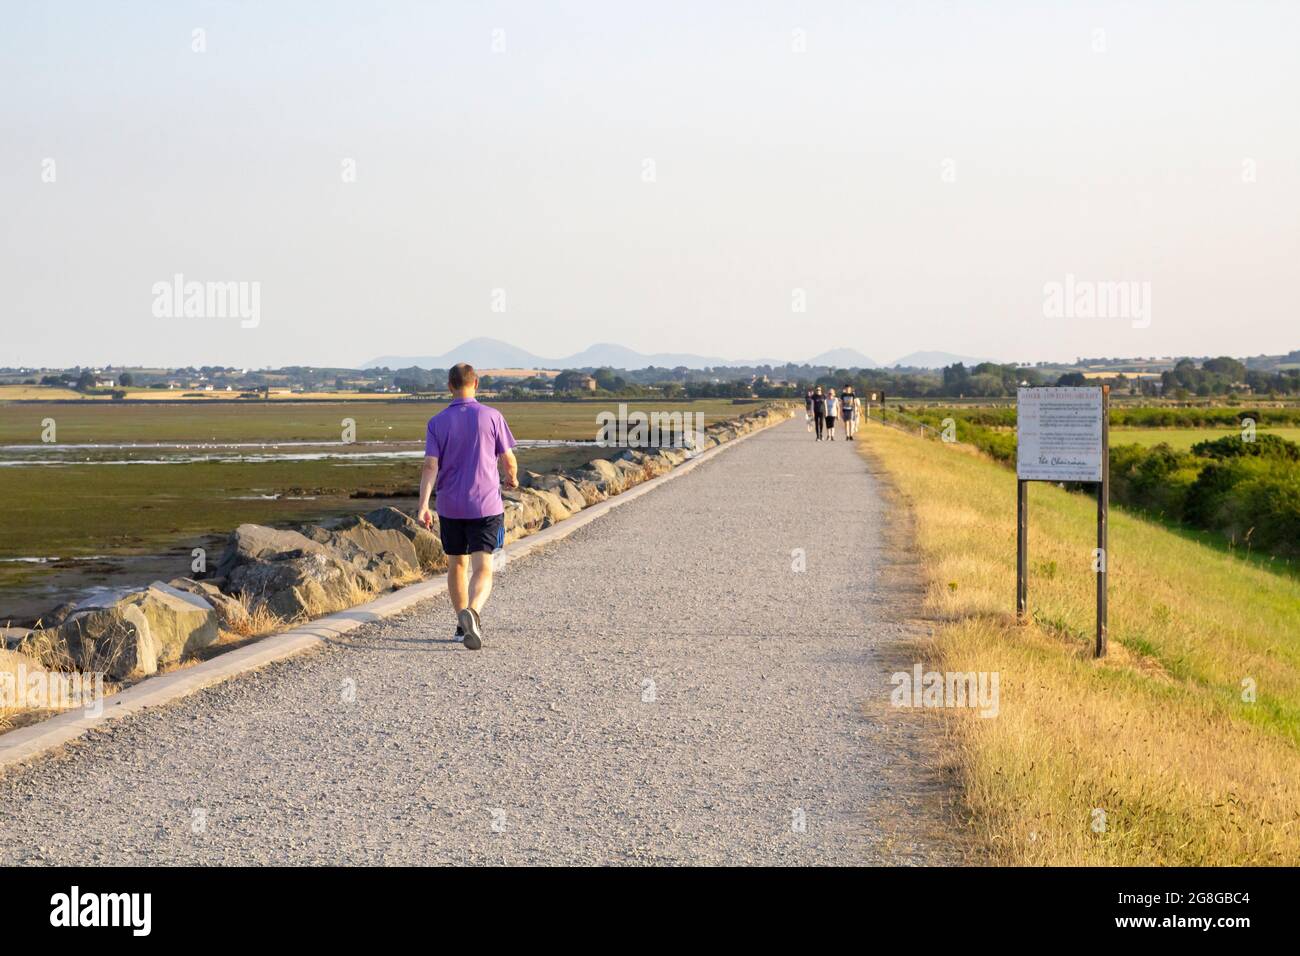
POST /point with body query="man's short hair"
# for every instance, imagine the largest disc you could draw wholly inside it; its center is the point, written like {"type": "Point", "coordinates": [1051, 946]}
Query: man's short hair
{"type": "Point", "coordinates": [461, 375]}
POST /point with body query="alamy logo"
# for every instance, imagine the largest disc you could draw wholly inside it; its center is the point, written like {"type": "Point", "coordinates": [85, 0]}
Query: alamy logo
{"type": "Point", "coordinates": [54, 690]}
{"type": "Point", "coordinates": [946, 689]}
{"type": "Point", "coordinates": [639, 430]}
{"type": "Point", "coordinates": [179, 299]}
{"type": "Point", "coordinates": [103, 909]}
{"type": "Point", "coordinates": [1085, 299]}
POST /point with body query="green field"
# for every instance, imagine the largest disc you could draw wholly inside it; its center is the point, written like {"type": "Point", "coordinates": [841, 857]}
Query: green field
{"type": "Point", "coordinates": [1187, 468]}
{"type": "Point", "coordinates": [1186, 737]}
{"type": "Point", "coordinates": [1182, 439]}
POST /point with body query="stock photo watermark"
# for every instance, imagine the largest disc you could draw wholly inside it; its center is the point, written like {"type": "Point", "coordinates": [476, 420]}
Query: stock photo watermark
{"type": "Point", "coordinates": [1076, 298]}
{"type": "Point", "coordinates": [920, 688]}
{"type": "Point", "coordinates": [624, 429]}
{"type": "Point", "coordinates": [181, 299]}
{"type": "Point", "coordinates": [39, 689]}
{"type": "Point", "coordinates": [73, 909]}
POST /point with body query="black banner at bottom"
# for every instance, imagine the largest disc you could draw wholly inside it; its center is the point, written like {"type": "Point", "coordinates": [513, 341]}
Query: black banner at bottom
{"type": "Point", "coordinates": [907, 905]}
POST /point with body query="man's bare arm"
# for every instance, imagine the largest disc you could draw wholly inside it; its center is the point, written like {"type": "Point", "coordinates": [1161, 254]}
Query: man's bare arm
{"type": "Point", "coordinates": [509, 468]}
{"type": "Point", "coordinates": [428, 476]}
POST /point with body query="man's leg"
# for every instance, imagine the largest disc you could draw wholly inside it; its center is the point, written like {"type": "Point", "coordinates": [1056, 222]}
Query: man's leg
{"type": "Point", "coordinates": [458, 586]}
{"type": "Point", "coordinates": [483, 537]}
{"type": "Point", "coordinates": [461, 584]}
{"type": "Point", "coordinates": [457, 583]}
{"type": "Point", "coordinates": [480, 582]}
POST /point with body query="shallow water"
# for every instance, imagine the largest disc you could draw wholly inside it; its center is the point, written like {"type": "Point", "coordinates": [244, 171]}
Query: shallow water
{"type": "Point", "coordinates": [94, 453]}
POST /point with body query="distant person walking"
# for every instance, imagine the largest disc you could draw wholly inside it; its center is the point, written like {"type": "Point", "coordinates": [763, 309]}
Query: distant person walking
{"type": "Point", "coordinates": [819, 412]}
{"type": "Point", "coordinates": [463, 447]}
{"type": "Point", "coordinates": [832, 412]}
{"type": "Point", "coordinates": [808, 407]}
{"type": "Point", "coordinates": [850, 405]}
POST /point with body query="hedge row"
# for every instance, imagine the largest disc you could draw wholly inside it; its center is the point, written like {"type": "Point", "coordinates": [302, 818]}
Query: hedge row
{"type": "Point", "coordinates": [1247, 491]}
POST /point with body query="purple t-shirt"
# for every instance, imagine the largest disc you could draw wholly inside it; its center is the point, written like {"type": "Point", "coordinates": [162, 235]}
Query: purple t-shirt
{"type": "Point", "coordinates": [467, 438]}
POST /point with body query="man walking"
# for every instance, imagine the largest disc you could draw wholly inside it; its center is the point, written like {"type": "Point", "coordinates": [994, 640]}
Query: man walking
{"type": "Point", "coordinates": [849, 406]}
{"type": "Point", "coordinates": [819, 412]}
{"type": "Point", "coordinates": [464, 445]}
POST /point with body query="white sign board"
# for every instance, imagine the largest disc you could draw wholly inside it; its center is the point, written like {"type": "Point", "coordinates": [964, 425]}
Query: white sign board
{"type": "Point", "coordinates": [1058, 434]}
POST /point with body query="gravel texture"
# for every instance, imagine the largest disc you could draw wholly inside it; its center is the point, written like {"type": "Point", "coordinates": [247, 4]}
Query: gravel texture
{"type": "Point", "coordinates": [659, 687]}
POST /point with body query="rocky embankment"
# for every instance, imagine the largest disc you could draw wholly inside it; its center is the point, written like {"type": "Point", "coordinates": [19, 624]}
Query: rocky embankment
{"type": "Point", "coordinates": [269, 578]}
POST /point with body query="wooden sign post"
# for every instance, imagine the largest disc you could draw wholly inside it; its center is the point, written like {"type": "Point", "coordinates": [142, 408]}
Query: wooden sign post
{"type": "Point", "coordinates": [1063, 434]}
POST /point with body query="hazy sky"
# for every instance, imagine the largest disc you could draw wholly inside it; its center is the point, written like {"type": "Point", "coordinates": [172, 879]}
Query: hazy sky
{"type": "Point", "coordinates": [919, 170]}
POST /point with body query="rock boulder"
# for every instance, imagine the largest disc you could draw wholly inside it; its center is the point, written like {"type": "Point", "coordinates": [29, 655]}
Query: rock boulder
{"type": "Point", "coordinates": [428, 546]}
{"type": "Point", "coordinates": [378, 559]}
{"type": "Point", "coordinates": [552, 506]}
{"type": "Point", "coordinates": [231, 613]}
{"type": "Point", "coordinates": [254, 543]}
{"type": "Point", "coordinates": [179, 622]}
{"type": "Point", "coordinates": [315, 583]}
{"type": "Point", "coordinates": [114, 640]}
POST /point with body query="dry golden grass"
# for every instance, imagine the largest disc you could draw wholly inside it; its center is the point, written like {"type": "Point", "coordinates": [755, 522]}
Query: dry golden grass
{"type": "Point", "coordinates": [258, 620]}
{"type": "Point", "coordinates": [37, 654]}
{"type": "Point", "coordinates": [1158, 736]}
{"type": "Point", "coordinates": [189, 395]}
{"type": "Point", "coordinates": [42, 647]}
{"type": "Point", "coordinates": [28, 393]}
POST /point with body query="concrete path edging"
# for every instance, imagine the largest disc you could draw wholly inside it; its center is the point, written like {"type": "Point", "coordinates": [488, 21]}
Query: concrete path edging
{"type": "Point", "coordinates": [21, 745]}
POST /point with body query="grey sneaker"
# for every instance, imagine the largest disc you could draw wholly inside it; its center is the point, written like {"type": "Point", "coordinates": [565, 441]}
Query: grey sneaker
{"type": "Point", "coordinates": [469, 623]}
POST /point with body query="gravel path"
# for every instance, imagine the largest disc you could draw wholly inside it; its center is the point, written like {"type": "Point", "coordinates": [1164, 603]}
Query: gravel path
{"type": "Point", "coordinates": [660, 687]}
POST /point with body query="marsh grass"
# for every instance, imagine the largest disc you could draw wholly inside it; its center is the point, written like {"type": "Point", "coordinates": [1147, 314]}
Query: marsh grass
{"type": "Point", "coordinates": [1158, 737]}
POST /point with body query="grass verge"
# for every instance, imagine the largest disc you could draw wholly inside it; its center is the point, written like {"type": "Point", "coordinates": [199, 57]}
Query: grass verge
{"type": "Point", "coordinates": [1154, 756]}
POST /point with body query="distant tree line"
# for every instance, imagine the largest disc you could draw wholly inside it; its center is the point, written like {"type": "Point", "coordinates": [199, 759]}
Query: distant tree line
{"type": "Point", "coordinates": [1223, 375]}
{"type": "Point", "coordinates": [987, 380]}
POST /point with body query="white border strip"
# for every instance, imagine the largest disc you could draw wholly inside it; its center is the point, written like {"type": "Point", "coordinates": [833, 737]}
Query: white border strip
{"type": "Point", "coordinates": [22, 745]}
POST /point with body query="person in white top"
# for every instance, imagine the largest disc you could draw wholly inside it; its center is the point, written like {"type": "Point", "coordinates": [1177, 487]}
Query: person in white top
{"type": "Point", "coordinates": [832, 410]}
{"type": "Point", "coordinates": [850, 406]}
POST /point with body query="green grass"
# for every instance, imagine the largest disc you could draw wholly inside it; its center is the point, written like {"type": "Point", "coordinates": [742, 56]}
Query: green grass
{"type": "Point", "coordinates": [1159, 734]}
{"type": "Point", "coordinates": [1182, 439]}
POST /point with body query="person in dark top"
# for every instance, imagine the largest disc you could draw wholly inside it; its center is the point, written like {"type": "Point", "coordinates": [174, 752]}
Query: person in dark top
{"type": "Point", "coordinates": [849, 404]}
{"type": "Point", "coordinates": [819, 412]}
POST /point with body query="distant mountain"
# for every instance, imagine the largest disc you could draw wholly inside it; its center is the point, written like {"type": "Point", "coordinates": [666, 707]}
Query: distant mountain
{"type": "Point", "coordinates": [493, 353]}
{"type": "Point", "coordinates": [604, 354]}
{"type": "Point", "coordinates": [480, 352]}
{"type": "Point", "coordinates": [843, 358]}
{"type": "Point", "coordinates": [934, 360]}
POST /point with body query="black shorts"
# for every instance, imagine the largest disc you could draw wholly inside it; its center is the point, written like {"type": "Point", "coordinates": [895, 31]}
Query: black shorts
{"type": "Point", "coordinates": [467, 535]}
